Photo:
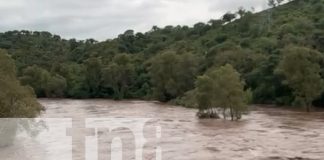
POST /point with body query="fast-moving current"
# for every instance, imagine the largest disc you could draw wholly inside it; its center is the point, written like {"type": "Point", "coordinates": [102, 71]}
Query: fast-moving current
{"type": "Point", "coordinates": [266, 133]}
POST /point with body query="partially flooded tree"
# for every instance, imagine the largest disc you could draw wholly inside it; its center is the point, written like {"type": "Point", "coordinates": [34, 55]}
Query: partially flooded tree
{"type": "Point", "coordinates": [16, 101]}
{"type": "Point", "coordinates": [301, 70]}
{"type": "Point", "coordinates": [205, 96]}
{"type": "Point", "coordinates": [221, 89]}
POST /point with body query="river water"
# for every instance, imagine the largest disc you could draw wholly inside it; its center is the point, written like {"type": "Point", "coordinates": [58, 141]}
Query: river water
{"type": "Point", "coordinates": [264, 134]}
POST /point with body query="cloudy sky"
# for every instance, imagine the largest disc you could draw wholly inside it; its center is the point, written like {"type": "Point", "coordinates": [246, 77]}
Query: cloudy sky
{"type": "Point", "coordinates": [103, 19]}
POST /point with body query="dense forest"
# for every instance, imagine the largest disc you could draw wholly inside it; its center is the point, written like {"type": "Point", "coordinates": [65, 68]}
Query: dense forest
{"type": "Point", "coordinates": [276, 55]}
{"type": "Point", "coordinates": [16, 101]}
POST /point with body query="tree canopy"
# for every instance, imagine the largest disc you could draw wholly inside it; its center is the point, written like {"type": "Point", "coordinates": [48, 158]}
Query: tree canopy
{"type": "Point", "coordinates": [165, 62]}
{"type": "Point", "coordinates": [221, 88]}
{"type": "Point", "coordinates": [301, 69]}
{"type": "Point", "coordinates": [16, 101]}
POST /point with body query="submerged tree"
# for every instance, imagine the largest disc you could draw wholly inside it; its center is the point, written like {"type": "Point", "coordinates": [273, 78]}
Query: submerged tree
{"type": "Point", "coordinates": [16, 101]}
{"type": "Point", "coordinates": [205, 96]}
{"type": "Point", "coordinates": [221, 88]}
{"type": "Point", "coordinates": [301, 69]}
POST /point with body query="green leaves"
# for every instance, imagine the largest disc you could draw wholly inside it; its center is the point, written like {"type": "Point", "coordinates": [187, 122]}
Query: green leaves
{"type": "Point", "coordinates": [221, 88]}
{"type": "Point", "coordinates": [16, 101]}
{"type": "Point", "coordinates": [93, 75]}
{"type": "Point", "coordinates": [228, 17]}
{"type": "Point", "coordinates": [172, 74]}
{"type": "Point", "coordinates": [37, 78]}
{"type": "Point", "coordinates": [164, 62]}
{"type": "Point", "coordinates": [301, 70]}
{"type": "Point", "coordinates": [44, 83]}
{"type": "Point", "coordinates": [119, 75]}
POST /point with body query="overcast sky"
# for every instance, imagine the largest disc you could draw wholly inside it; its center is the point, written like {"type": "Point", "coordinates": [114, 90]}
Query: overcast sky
{"type": "Point", "coordinates": [103, 19]}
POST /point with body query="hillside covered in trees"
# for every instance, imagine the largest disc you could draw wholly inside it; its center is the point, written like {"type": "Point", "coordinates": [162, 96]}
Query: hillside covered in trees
{"type": "Point", "coordinates": [277, 52]}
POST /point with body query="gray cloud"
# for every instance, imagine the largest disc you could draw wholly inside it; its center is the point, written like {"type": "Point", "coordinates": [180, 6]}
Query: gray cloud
{"type": "Point", "coordinates": [102, 19]}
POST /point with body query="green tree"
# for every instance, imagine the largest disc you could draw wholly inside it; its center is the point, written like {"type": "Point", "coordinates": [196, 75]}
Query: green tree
{"type": "Point", "coordinates": [172, 74]}
{"type": "Point", "coordinates": [44, 83]}
{"type": "Point", "coordinates": [228, 17]}
{"type": "Point", "coordinates": [119, 75]}
{"type": "Point", "coordinates": [16, 101]}
{"type": "Point", "coordinates": [241, 12]}
{"type": "Point", "coordinates": [162, 71]}
{"type": "Point", "coordinates": [274, 3]}
{"type": "Point", "coordinates": [205, 97]}
{"type": "Point", "coordinates": [93, 75]}
{"type": "Point", "coordinates": [242, 60]}
{"type": "Point", "coordinates": [221, 88]}
{"type": "Point", "coordinates": [36, 77]}
{"type": "Point", "coordinates": [215, 23]}
{"type": "Point", "coordinates": [301, 70]}
{"type": "Point", "coordinates": [56, 87]}
{"type": "Point", "coordinates": [266, 85]}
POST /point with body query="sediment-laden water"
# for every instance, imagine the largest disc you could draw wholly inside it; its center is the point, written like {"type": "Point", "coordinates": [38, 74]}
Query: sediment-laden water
{"type": "Point", "coordinates": [265, 134]}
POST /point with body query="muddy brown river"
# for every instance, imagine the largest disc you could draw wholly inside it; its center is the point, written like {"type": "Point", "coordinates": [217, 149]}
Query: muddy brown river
{"type": "Point", "coordinates": [171, 133]}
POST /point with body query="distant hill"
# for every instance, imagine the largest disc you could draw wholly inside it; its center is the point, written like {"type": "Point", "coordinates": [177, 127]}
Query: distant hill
{"type": "Point", "coordinates": [129, 65]}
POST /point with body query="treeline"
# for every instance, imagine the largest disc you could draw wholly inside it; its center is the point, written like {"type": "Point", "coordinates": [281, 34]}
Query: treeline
{"type": "Point", "coordinates": [278, 54]}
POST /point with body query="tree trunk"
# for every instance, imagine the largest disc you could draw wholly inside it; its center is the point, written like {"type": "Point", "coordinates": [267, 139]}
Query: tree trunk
{"type": "Point", "coordinates": [308, 108]}
{"type": "Point", "coordinates": [232, 115]}
{"type": "Point", "coordinates": [224, 113]}
{"type": "Point", "coordinates": [308, 105]}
